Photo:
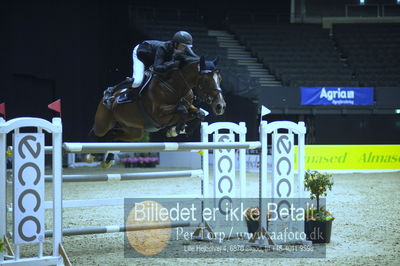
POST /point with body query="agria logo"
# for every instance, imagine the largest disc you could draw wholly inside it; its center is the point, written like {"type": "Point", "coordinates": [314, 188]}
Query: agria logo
{"type": "Point", "coordinates": [337, 95]}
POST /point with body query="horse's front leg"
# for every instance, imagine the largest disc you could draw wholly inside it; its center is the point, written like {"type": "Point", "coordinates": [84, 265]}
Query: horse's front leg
{"type": "Point", "coordinates": [196, 116]}
{"type": "Point", "coordinates": [179, 128]}
{"type": "Point", "coordinates": [196, 113]}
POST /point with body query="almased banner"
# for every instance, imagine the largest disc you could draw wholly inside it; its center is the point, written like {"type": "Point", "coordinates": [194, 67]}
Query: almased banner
{"type": "Point", "coordinates": [337, 96]}
{"type": "Point", "coordinates": [336, 157]}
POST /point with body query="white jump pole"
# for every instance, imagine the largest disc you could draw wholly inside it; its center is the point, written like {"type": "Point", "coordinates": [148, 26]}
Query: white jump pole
{"type": "Point", "coordinates": [92, 147]}
{"type": "Point", "coordinates": [128, 176]}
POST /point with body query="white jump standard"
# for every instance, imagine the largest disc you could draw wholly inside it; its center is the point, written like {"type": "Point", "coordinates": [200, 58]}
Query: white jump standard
{"type": "Point", "coordinates": [224, 145]}
{"type": "Point", "coordinates": [31, 152]}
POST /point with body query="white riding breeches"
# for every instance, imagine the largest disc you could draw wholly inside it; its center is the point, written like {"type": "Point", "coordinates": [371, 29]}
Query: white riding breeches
{"type": "Point", "coordinates": [138, 69]}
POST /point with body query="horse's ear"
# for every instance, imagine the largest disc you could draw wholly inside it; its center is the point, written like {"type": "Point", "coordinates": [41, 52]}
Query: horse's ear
{"type": "Point", "coordinates": [202, 63]}
{"type": "Point", "coordinates": [215, 61]}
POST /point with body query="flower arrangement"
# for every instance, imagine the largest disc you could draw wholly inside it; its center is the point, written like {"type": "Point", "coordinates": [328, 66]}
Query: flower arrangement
{"type": "Point", "coordinates": [321, 215]}
{"type": "Point", "coordinates": [252, 214]}
{"type": "Point", "coordinates": [318, 184]}
{"type": "Point", "coordinates": [139, 161]}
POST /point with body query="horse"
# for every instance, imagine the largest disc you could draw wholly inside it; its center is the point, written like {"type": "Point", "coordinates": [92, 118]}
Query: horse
{"type": "Point", "coordinates": [161, 102]}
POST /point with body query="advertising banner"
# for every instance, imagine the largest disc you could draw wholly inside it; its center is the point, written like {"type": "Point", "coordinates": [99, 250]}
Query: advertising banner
{"type": "Point", "coordinates": [337, 96]}
{"type": "Point", "coordinates": [337, 157]}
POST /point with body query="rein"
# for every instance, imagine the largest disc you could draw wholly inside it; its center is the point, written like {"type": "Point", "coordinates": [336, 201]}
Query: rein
{"type": "Point", "coordinates": [175, 91]}
{"type": "Point", "coordinates": [205, 98]}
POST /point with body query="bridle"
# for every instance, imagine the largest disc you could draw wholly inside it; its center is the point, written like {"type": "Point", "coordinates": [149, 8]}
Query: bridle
{"type": "Point", "coordinates": [207, 98]}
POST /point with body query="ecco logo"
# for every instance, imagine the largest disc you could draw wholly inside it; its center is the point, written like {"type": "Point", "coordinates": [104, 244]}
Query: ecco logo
{"type": "Point", "coordinates": [283, 168]}
{"type": "Point", "coordinates": [225, 169]}
{"type": "Point", "coordinates": [29, 187]}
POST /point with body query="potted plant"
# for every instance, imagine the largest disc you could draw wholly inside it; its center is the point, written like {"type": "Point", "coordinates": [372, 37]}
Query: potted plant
{"type": "Point", "coordinates": [252, 216]}
{"type": "Point", "coordinates": [252, 219]}
{"type": "Point", "coordinates": [318, 221]}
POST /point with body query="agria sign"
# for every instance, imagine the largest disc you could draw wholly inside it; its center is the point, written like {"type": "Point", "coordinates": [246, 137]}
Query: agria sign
{"type": "Point", "coordinates": [337, 96]}
{"type": "Point", "coordinates": [28, 188]}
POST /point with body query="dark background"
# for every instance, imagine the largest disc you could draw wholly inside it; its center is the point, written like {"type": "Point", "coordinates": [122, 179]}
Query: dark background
{"type": "Point", "coordinates": [73, 50]}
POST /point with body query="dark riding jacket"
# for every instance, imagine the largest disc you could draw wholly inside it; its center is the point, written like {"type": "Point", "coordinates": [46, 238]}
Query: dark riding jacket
{"type": "Point", "coordinates": [158, 54]}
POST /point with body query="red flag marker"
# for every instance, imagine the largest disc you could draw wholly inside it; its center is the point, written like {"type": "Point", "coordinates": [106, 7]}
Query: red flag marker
{"type": "Point", "coordinates": [3, 109]}
{"type": "Point", "coordinates": [56, 106]}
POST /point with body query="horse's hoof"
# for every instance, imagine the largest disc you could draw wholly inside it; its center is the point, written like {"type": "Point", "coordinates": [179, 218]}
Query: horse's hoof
{"type": "Point", "coordinates": [106, 165]}
{"type": "Point", "coordinates": [9, 151]}
{"type": "Point", "coordinates": [89, 158]}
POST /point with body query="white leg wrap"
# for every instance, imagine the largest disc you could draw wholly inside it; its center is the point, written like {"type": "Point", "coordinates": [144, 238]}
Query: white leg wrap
{"type": "Point", "coordinates": [171, 132]}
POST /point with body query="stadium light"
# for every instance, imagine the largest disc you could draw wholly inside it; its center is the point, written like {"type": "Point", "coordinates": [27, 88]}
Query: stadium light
{"type": "Point", "coordinates": [362, 2]}
{"type": "Point", "coordinates": [397, 111]}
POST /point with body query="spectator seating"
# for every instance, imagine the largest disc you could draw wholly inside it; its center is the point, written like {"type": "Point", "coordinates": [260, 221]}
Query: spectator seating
{"type": "Point", "coordinates": [297, 54]}
{"type": "Point", "coordinates": [372, 51]}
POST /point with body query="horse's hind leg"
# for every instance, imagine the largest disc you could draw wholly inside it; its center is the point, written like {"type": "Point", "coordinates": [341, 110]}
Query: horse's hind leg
{"type": "Point", "coordinates": [121, 134]}
{"type": "Point", "coordinates": [104, 121]}
{"type": "Point", "coordinates": [109, 137]}
{"type": "Point", "coordinates": [129, 134]}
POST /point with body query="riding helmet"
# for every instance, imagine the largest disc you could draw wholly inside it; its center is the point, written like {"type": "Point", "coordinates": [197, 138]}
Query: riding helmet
{"type": "Point", "coordinates": [183, 37]}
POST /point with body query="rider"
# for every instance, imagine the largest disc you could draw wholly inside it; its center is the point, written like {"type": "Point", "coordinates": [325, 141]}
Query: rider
{"type": "Point", "coordinates": [158, 54]}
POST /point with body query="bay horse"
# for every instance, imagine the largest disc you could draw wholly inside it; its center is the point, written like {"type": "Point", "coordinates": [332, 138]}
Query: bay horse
{"type": "Point", "coordinates": [161, 102]}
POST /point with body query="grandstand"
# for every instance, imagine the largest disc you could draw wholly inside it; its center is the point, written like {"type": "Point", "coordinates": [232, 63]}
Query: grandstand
{"type": "Point", "coordinates": [371, 51]}
{"type": "Point", "coordinates": [266, 56]}
{"type": "Point", "coordinates": [297, 54]}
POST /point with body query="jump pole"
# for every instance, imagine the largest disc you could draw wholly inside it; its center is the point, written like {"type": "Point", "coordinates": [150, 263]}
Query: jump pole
{"type": "Point", "coordinates": [116, 229]}
{"type": "Point", "coordinates": [128, 176]}
{"type": "Point", "coordinates": [94, 147]}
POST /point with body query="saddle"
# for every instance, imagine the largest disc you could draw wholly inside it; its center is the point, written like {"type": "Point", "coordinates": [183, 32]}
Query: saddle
{"type": "Point", "coordinates": [123, 92]}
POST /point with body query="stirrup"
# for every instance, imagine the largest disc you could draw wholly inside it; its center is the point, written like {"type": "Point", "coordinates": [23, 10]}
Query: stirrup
{"type": "Point", "coordinates": [108, 97]}
{"type": "Point", "coordinates": [131, 95]}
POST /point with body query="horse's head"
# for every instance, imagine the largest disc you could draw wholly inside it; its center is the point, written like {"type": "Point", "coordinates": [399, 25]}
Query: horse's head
{"type": "Point", "coordinates": [208, 86]}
